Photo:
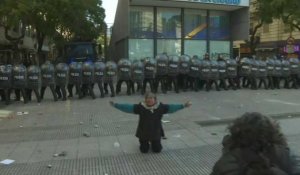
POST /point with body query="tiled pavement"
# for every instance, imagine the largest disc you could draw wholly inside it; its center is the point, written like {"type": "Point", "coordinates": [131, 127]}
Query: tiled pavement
{"type": "Point", "coordinates": [54, 127]}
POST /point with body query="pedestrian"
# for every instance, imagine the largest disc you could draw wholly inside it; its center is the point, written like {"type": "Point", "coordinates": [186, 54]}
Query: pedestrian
{"type": "Point", "coordinates": [150, 111]}
{"type": "Point", "coordinates": [255, 146]}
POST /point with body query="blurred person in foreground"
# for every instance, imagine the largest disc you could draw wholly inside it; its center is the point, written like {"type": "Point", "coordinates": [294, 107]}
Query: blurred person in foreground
{"type": "Point", "coordinates": [255, 146]}
{"type": "Point", "coordinates": [150, 111]}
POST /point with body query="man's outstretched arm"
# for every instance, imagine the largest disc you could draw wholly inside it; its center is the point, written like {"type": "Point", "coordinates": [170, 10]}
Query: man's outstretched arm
{"type": "Point", "coordinates": [128, 108]}
{"type": "Point", "coordinates": [176, 107]}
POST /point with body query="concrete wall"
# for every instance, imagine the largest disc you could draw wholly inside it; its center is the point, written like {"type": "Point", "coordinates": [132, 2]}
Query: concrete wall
{"type": "Point", "coordinates": [240, 23]}
{"type": "Point", "coordinates": [120, 32]}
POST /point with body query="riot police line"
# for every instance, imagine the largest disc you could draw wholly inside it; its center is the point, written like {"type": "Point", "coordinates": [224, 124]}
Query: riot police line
{"type": "Point", "coordinates": [169, 72]}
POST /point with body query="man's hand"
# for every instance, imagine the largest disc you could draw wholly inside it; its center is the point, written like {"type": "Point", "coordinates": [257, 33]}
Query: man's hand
{"type": "Point", "coordinates": [187, 104]}
{"type": "Point", "coordinates": [112, 103]}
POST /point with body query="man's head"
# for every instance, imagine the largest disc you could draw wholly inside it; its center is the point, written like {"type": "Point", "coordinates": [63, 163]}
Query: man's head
{"type": "Point", "coordinates": [150, 99]}
{"type": "Point", "coordinates": [255, 130]}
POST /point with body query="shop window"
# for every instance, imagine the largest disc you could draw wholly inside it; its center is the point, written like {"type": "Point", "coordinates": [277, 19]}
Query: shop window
{"type": "Point", "coordinates": [195, 47]}
{"type": "Point", "coordinates": [195, 24]}
{"type": "Point", "coordinates": [169, 46]}
{"type": "Point", "coordinates": [168, 23]}
{"type": "Point", "coordinates": [141, 22]}
{"type": "Point", "coordinates": [219, 48]}
{"type": "Point", "coordinates": [140, 48]}
{"type": "Point", "coordinates": [219, 25]}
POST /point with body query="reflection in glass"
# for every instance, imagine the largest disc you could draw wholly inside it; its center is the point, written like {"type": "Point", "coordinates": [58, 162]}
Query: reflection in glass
{"type": "Point", "coordinates": [194, 47]}
{"type": "Point", "coordinates": [168, 23]}
{"type": "Point", "coordinates": [169, 46]}
{"type": "Point", "coordinates": [219, 47]}
{"type": "Point", "coordinates": [219, 25]}
{"type": "Point", "coordinates": [141, 22]}
{"type": "Point", "coordinates": [195, 25]}
{"type": "Point", "coordinates": [140, 48]}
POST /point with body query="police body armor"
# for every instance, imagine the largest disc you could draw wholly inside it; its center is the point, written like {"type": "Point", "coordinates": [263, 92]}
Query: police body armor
{"type": "Point", "coordinates": [231, 68]}
{"type": "Point", "coordinates": [270, 67]}
{"type": "Point", "coordinates": [48, 74]}
{"type": "Point", "coordinates": [245, 67]}
{"type": "Point", "coordinates": [214, 70]}
{"type": "Point", "coordinates": [137, 71]}
{"type": "Point", "coordinates": [195, 67]}
{"type": "Point", "coordinates": [254, 68]}
{"type": "Point", "coordinates": [161, 65]}
{"type": "Point", "coordinates": [19, 76]}
{"type": "Point", "coordinates": [61, 74]}
{"type": "Point", "coordinates": [173, 66]}
{"type": "Point", "coordinates": [262, 69]}
{"type": "Point", "coordinates": [75, 73]}
{"type": "Point", "coordinates": [33, 77]}
{"type": "Point", "coordinates": [205, 70]}
{"type": "Point", "coordinates": [184, 64]}
{"type": "Point", "coordinates": [222, 69]}
{"type": "Point", "coordinates": [88, 73]}
{"type": "Point", "coordinates": [294, 66]}
{"type": "Point", "coordinates": [285, 68]}
{"type": "Point", "coordinates": [124, 69]}
{"type": "Point", "coordinates": [6, 78]}
{"type": "Point", "coordinates": [149, 68]}
{"type": "Point", "coordinates": [277, 68]}
{"type": "Point", "coordinates": [99, 69]}
{"type": "Point", "coordinates": [110, 71]}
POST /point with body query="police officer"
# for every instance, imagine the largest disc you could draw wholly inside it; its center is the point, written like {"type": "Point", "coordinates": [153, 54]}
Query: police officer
{"type": "Point", "coordinates": [270, 72]}
{"type": "Point", "coordinates": [294, 67]}
{"type": "Point", "coordinates": [262, 75]}
{"type": "Point", "coordinates": [222, 72]}
{"type": "Point", "coordinates": [194, 73]}
{"type": "Point", "coordinates": [232, 73]}
{"type": "Point", "coordinates": [33, 82]}
{"type": "Point", "coordinates": [184, 69]}
{"type": "Point", "coordinates": [124, 75]}
{"type": "Point", "coordinates": [20, 80]}
{"type": "Point", "coordinates": [109, 75]}
{"type": "Point", "coordinates": [48, 79]}
{"type": "Point", "coordinates": [5, 82]}
{"type": "Point", "coordinates": [277, 73]}
{"type": "Point", "coordinates": [245, 71]}
{"type": "Point", "coordinates": [61, 79]}
{"type": "Point", "coordinates": [75, 78]}
{"type": "Point", "coordinates": [88, 79]}
{"type": "Point", "coordinates": [285, 72]}
{"type": "Point", "coordinates": [99, 75]}
{"type": "Point", "coordinates": [137, 75]}
{"type": "Point", "coordinates": [149, 74]}
{"type": "Point", "coordinates": [161, 75]}
{"type": "Point", "coordinates": [173, 70]}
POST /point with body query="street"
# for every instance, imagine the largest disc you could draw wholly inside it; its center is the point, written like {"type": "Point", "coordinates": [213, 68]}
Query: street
{"type": "Point", "coordinates": [89, 137]}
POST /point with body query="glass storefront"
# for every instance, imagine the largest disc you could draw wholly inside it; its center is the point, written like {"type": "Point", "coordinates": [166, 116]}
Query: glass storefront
{"type": "Point", "coordinates": [169, 46]}
{"type": "Point", "coordinates": [140, 48]}
{"type": "Point", "coordinates": [195, 47]}
{"type": "Point", "coordinates": [141, 22]}
{"type": "Point", "coordinates": [168, 23]}
{"type": "Point", "coordinates": [219, 25]}
{"type": "Point", "coordinates": [174, 28]}
{"type": "Point", "coordinates": [219, 48]}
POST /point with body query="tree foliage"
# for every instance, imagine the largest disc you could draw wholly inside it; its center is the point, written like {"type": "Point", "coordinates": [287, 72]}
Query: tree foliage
{"type": "Point", "coordinates": [57, 19]}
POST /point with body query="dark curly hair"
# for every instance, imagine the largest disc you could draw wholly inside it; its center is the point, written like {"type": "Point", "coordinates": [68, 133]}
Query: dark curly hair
{"type": "Point", "coordinates": [256, 131]}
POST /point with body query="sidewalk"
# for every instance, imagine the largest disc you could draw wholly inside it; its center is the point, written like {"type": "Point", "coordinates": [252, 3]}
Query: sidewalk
{"type": "Point", "coordinates": [191, 148]}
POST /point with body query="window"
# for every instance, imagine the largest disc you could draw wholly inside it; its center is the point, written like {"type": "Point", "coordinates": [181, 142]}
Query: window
{"type": "Point", "coordinates": [140, 48]}
{"type": "Point", "coordinates": [195, 24]}
{"type": "Point", "coordinates": [219, 47]}
{"type": "Point", "coordinates": [266, 28]}
{"type": "Point", "coordinates": [168, 23]}
{"type": "Point", "coordinates": [219, 25]}
{"type": "Point", "coordinates": [141, 22]}
{"type": "Point", "coordinates": [195, 47]}
{"type": "Point", "coordinates": [169, 46]}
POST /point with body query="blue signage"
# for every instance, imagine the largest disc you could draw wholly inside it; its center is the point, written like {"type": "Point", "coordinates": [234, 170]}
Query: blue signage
{"type": "Point", "coordinates": [227, 2]}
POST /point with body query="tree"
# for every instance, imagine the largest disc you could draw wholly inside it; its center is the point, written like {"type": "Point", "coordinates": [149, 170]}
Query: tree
{"type": "Point", "coordinates": [262, 13]}
{"type": "Point", "coordinates": [288, 12]}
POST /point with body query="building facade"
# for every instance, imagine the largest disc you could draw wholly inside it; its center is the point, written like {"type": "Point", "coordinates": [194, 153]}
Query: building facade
{"type": "Point", "coordinates": [145, 28]}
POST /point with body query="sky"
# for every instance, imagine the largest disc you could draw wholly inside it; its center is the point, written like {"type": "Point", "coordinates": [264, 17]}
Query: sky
{"type": "Point", "coordinates": [110, 7]}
